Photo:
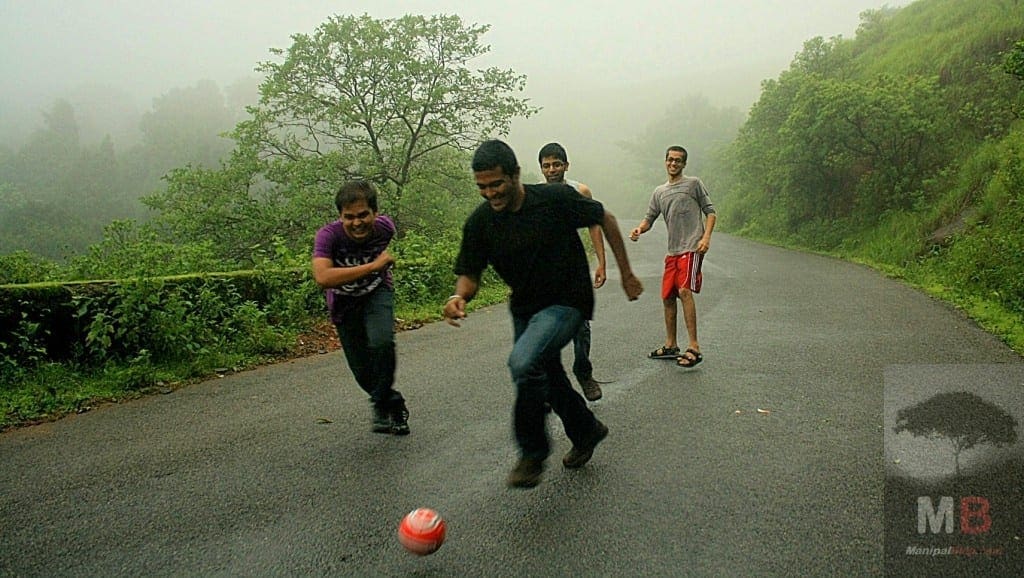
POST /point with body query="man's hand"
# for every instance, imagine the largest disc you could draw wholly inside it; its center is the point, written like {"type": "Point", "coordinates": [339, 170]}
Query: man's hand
{"type": "Point", "coordinates": [383, 261]}
{"type": "Point", "coordinates": [599, 277]}
{"type": "Point", "coordinates": [632, 286]}
{"type": "Point", "coordinates": [634, 235]}
{"type": "Point", "coordinates": [703, 245]}
{"type": "Point", "coordinates": [454, 310]}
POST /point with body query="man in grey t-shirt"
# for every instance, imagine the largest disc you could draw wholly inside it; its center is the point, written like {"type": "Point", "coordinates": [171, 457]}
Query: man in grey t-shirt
{"type": "Point", "coordinates": [684, 204]}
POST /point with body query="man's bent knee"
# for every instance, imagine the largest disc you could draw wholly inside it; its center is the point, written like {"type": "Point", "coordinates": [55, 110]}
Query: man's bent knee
{"type": "Point", "coordinates": [524, 369]}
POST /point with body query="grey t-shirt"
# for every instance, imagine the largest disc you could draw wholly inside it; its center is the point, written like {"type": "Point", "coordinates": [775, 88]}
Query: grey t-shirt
{"type": "Point", "coordinates": [683, 204]}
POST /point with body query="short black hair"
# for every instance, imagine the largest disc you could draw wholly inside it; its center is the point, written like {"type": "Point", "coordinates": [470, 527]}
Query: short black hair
{"type": "Point", "coordinates": [678, 149]}
{"type": "Point", "coordinates": [495, 153]}
{"type": "Point", "coordinates": [552, 149]}
{"type": "Point", "coordinates": [357, 190]}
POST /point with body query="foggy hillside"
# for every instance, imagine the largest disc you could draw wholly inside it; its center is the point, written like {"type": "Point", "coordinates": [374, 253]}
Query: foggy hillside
{"type": "Point", "coordinates": [601, 77]}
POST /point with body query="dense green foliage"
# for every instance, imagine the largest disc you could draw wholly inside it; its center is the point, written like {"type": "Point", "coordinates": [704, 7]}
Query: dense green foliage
{"type": "Point", "coordinates": [982, 264]}
{"type": "Point", "coordinates": [138, 331]}
{"type": "Point", "coordinates": [858, 128]}
{"type": "Point", "coordinates": [122, 339]}
{"type": "Point", "coordinates": [900, 147]}
{"type": "Point", "coordinates": [391, 101]}
{"type": "Point", "coordinates": [25, 267]}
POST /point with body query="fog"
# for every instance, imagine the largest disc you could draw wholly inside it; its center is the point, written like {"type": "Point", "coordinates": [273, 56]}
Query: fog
{"type": "Point", "coordinates": [601, 75]}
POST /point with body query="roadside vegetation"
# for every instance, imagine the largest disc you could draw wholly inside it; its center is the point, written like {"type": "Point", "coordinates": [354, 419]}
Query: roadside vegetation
{"type": "Point", "coordinates": [901, 148]}
{"type": "Point", "coordinates": [391, 101]}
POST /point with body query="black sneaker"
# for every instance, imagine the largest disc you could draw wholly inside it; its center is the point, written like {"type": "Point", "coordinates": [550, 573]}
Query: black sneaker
{"type": "Point", "coordinates": [591, 389]}
{"type": "Point", "coordinates": [381, 421]}
{"type": "Point", "coordinates": [526, 474]}
{"type": "Point", "coordinates": [400, 420]}
{"type": "Point", "coordinates": [578, 456]}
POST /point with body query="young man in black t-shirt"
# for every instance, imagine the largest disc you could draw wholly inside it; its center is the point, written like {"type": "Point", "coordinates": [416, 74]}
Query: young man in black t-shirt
{"type": "Point", "coordinates": [528, 233]}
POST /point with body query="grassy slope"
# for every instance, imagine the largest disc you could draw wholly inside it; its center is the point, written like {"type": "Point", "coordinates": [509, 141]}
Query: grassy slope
{"type": "Point", "coordinates": [946, 38]}
{"type": "Point", "coordinates": [980, 203]}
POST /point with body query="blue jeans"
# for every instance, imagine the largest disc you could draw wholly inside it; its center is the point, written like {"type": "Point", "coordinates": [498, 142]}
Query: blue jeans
{"type": "Point", "coordinates": [581, 366]}
{"type": "Point", "coordinates": [367, 335]}
{"type": "Point", "coordinates": [536, 366]}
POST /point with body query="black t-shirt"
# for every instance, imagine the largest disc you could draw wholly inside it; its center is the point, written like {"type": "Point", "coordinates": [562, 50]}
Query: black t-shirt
{"type": "Point", "coordinates": [536, 250]}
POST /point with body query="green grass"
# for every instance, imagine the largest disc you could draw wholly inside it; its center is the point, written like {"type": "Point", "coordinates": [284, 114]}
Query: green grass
{"type": "Point", "coordinates": [989, 313]}
{"type": "Point", "coordinates": [53, 390]}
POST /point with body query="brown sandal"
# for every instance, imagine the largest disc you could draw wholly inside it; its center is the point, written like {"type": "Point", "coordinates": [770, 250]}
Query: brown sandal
{"type": "Point", "coordinates": [684, 361]}
{"type": "Point", "coordinates": [664, 353]}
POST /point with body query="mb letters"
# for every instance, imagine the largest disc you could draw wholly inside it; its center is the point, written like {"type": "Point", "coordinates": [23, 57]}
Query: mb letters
{"type": "Point", "coordinates": [974, 515]}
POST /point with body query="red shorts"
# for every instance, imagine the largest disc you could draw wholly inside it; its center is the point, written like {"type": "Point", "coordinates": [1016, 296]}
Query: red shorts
{"type": "Point", "coordinates": [681, 272]}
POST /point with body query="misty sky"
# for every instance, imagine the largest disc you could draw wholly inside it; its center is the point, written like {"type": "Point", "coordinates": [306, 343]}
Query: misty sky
{"type": "Point", "coordinates": [631, 58]}
{"type": "Point", "coordinates": [144, 47]}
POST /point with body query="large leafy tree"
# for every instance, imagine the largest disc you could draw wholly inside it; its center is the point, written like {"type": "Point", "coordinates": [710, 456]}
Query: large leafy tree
{"type": "Point", "coordinates": [384, 93]}
{"type": "Point", "coordinates": [767, 174]}
{"type": "Point", "coordinates": [390, 101]}
{"type": "Point", "coordinates": [861, 147]}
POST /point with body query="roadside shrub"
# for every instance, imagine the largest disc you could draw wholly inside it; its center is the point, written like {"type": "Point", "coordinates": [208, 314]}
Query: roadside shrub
{"type": "Point", "coordinates": [26, 267]}
{"type": "Point", "coordinates": [24, 350]}
{"type": "Point", "coordinates": [423, 268]}
{"type": "Point", "coordinates": [130, 250]}
{"type": "Point", "coordinates": [182, 319]}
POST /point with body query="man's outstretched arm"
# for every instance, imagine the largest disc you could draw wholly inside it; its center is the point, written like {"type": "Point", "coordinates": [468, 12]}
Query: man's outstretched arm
{"type": "Point", "coordinates": [630, 284]}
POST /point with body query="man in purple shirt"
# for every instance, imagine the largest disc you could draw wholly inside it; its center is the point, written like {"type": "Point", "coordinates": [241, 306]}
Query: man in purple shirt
{"type": "Point", "coordinates": [351, 262]}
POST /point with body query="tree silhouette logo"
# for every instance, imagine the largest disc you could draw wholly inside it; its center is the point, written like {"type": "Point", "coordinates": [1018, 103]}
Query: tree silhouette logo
{"type": "Point", "coordinates": [963, 418]}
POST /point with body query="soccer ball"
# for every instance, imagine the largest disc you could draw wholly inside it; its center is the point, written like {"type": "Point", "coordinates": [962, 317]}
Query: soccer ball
{"type": "Point", "coordinates": [421, 531]}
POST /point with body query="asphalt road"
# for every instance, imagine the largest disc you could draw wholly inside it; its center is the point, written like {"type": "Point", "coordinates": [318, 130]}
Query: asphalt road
{"type": "Point", "coordinates": [275, 472]}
